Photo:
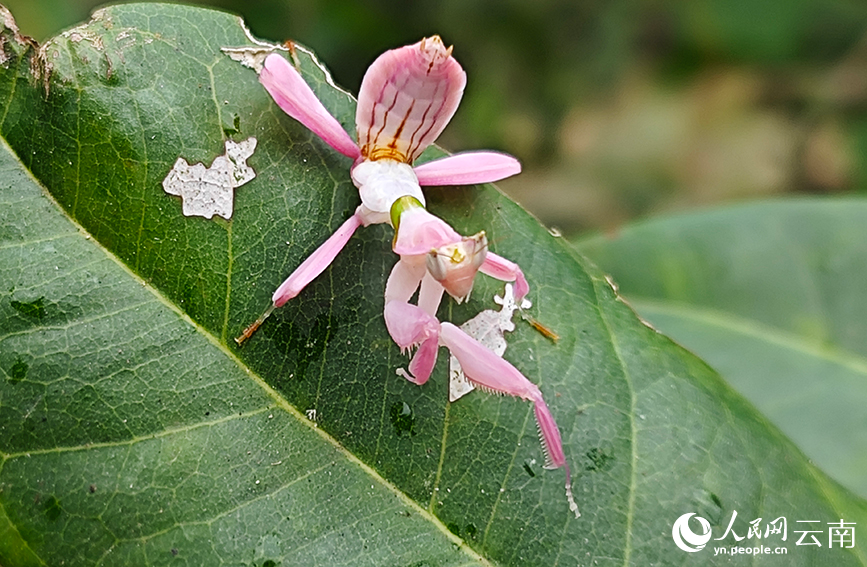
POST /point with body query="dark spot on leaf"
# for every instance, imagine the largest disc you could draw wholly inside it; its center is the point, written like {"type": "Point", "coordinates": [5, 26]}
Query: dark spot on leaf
{"type": "Point", "coordinates": [601, 460]}
{"type": "Point", "coordinates": [52, 508]}
{"type": "Point", "coordinates": [529, 470]}
{"type": "Point", "coordinates": [303, 340]}
{"type": "Point", "coordinates": [236, 129]}
{"type": "Point", "coordinates": [471, 531]}
{"type": "Point", "coordinates": [269, 563]}
{"type": "Point", "coordinates": [18, 371]}
{"type": "Point", "coordinates": [92, 488]}
{"type": "Point", "coordinates": [708, 505]}
{"type": "Point", "coordinates": [174, 551]}
{"type": "Point", "coordinates": [32, 309]}
{"type": "Point", "coordinates": [402, 418]}
{"type": "Point", "coordinates": [454, 528]}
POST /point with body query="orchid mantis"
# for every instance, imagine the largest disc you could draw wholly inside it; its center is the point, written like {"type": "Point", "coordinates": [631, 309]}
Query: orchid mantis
{"type": "Point", "coordinates": [407, 97]}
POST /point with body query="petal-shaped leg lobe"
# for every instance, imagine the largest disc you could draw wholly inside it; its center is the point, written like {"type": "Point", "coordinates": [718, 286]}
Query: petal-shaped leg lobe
{"type": "Point", "coordinates": [423, 362]}
{"type": "Point", "coordinates": [316, 263]}
{"type": "Point", "coordinates": [467, 168]}
{"type": "Point", "coordinates": [505, 270]}
{"type": "Point", "coordinates": [484, 368]}
{"type": "Point", "coordinates": [430, 294]}
{"type": "Point", "coordinates": [490, 372]}
{"type": "Point", "coordinates": [296, 98]}
{"type": "Point", "coordinates": [404, 279]}
{"type": "Point", "coordinates": [409, 326]}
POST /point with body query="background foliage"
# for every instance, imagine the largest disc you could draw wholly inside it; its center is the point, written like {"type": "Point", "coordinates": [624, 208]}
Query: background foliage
{"type": "Point", "coordinates": [617, 109]}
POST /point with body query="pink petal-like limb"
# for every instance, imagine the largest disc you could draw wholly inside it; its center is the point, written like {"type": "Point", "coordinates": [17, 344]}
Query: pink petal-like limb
{"type": "Point", "coordinates": [296, 98]}
{"type": "Point", "coordinates": [316, 263]}
{"type": "Point", "coordinates": [546, 423]}
{"type": "Point", "coordinates": [507, 271]}
{"type": "Point", "coordinates": [467, 168]}
{"type": "Point", "coordinates": [410, 326]}
{"type": "Point", "coordinates": [407, 97]}
{"type": "Point", "coordinates": [490, 372]}
{"type": "Point", "coordinates": [419, 232]}
{"type": "Point", "coordinates": [430, 294]}
{"type": "Point", "coordinates": [404, 279]}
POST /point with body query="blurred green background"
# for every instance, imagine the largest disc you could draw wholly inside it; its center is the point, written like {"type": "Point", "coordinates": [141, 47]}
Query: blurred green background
{"type": "Point", "coordinates": [617, 109]}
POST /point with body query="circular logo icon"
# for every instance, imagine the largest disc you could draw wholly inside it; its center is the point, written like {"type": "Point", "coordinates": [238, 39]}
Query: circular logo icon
{"type": "Point", "coordinates": [685, 538]}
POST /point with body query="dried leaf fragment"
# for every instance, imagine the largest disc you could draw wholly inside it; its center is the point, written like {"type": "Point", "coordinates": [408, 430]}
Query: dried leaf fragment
{"type": "Point", "coordinates": [206, 192]}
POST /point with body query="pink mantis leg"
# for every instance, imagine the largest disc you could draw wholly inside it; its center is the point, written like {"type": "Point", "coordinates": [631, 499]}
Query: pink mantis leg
{"type": "Point", "coordinates": [410, 325]}
{"type": "Point", "coordinates": [490, 372]}
{"type": "Point", "coordinates": [404, 279]}
{"type": "Point", "coordinates": [507, 271]}
{"type": "Point", "coordinates": [316, 263]}
{"type": "Point", "coordinates": [430, 294]}
{"type": "Point", "coordinates": [296, 98]}
{"type": "Point", "coordinates": [467, 168]}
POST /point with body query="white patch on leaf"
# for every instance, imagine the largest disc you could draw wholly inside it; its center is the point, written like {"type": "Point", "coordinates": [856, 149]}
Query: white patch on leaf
{"type": "Point", "coordinates": [210, 191]}
{"type": "Point", "coordinates": [252, 57]}
{"type": "Point", "coordinates": [488, 327]}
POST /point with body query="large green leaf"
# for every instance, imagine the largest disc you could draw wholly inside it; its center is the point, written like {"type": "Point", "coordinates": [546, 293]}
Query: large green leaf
{"type": "Point", "coordinates": [130, 436]}
{"type": "Point", "coordinates": [773, 296]}
{"type": "Point", "coordinates": [139, 391]}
